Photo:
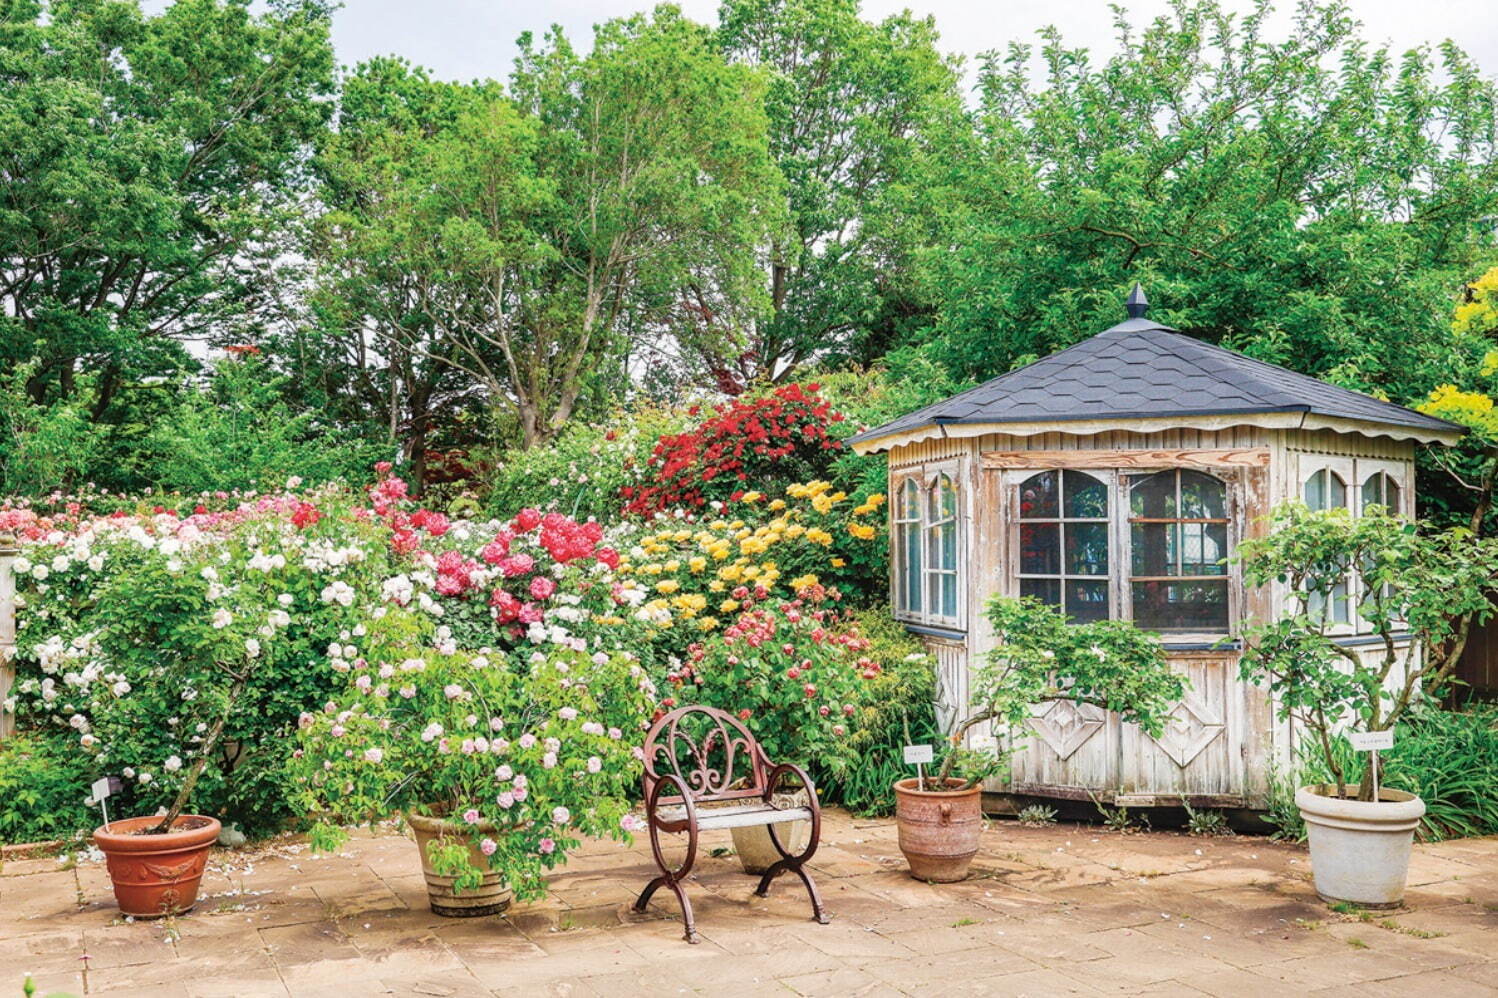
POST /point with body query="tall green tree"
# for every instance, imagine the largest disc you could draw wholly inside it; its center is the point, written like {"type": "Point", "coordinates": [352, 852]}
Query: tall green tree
{"type": "Point", "coordinates": [145, 163]}
{"type": "Point", "coordinates": [1313, 200]}
{"type": "Point", "coordinates": [853, 107]}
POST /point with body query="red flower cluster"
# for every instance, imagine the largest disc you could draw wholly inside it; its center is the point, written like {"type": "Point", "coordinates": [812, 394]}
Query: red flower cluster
{"type": "Point", "coordinates": [776, 438]}
{"type": "Point", "coordinates": [304, 516]}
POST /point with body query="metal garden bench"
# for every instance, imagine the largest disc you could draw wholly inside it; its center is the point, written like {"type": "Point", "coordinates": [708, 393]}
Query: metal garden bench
{"type": "Point", "coordinates": [705, 771]}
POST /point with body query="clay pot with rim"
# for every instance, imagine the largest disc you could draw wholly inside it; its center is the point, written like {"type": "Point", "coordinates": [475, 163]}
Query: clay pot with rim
{"type": "Point", "coordinates": [1360, 850]}
{"type": "Point", "coordinates": [157, 874]}
{"type": "Point", "coordinates": [938, 829]}
{"type": "Point", "coordinates": [489, 898]}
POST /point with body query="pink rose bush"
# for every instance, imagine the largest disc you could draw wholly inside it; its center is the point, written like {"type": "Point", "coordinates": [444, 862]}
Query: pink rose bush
{"type": "Point", "coordinates": [503, 745]}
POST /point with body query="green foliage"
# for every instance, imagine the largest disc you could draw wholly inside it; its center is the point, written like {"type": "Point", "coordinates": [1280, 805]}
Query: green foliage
{"type": "Point", "coordinates": [1206, 823]}
{"type": "Point", "coordinates": [1037, 816]}
{"type": "Point", "coordinates": [582, 471]}
{"type": "Point", "coordinates": [896, 708]}
{"type": "Point", "coordinates": [240, 433]}
{"type": "Point", "coordinates": [42, 447]}
{"type": "Point", "coordinates": [1429, 584]}
{"type": "Point", "coordinates": [1039, 655]}
{"type": "Point", "coordinates": [1294, 196]}
{"type": "Point", "coordinates": [44, 780]}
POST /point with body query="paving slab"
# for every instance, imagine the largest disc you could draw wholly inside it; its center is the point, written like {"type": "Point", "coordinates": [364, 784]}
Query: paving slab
{"type": "Point", "coordinates": [1070, 909]}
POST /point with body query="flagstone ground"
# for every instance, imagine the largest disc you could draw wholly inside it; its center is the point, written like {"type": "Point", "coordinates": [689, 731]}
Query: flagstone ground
{"type": "Point", "coordinates": [1062, 910]}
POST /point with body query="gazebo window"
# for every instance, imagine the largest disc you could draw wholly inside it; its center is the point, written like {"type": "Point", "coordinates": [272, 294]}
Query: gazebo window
{"type": "Point", "coordinates": [1178, 538]}
{"type": "Point", "coordinates": [1063, 542]}
{"type": "Point", "coordinates": [1325, 490]}
{"type": "Point", "coordinates": [941, 549]}
{"type": "Point", "coordinates": [908, 548]}
{"type": "Point", "coordinates": [926, 550]}
{"type": "Point", "coordinates": [1380, 489]}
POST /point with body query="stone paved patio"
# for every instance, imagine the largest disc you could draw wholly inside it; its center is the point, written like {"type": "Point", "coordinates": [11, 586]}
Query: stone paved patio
{"type": "Point", "coordinates": [1063, 910]}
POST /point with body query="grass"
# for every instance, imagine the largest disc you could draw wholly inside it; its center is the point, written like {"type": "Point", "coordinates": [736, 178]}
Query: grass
{"type": "Point", "coordinates": [1356, 943]}
{"type": "Point", "coordinates": [964, 921]}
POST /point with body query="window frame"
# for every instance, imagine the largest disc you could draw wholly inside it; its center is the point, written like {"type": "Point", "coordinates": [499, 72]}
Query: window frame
{"type": "Point", "coordinates": [1120, 548]}
{"type": "Point", "coordinates": [1398, 472]}
{"type": "Point", "coordinates": [1229, 521]}
{"type": "Point", "coordinates": [1109, 477]}
{"type": "Point", "coordinates": [1345, 468]}
{"type": "Point", "coordinates": [927, 479]}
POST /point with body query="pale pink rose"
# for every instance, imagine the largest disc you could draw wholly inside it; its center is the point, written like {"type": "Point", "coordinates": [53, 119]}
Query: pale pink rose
{"type": "Point", "coordinates": [567, 714]}
{"type": "Point", "coordinates": [594, 764]}
{"type": "Point", "coordinates": [505, 800]}
{"type": "Point", "coordinates": [546, 847]}
{"type": "Point", "coordinates": [549, 760]}
{"type": "Point", "coordinates": [471, 816]}
{"type": "Point", "coordinates": [488, 846]}
{"type": "Point", "coordinates": [374, 755]}
{"type": "Point", "coordinates": [527, 740]}
{"type": "Point", "coordinates": [561, 815]}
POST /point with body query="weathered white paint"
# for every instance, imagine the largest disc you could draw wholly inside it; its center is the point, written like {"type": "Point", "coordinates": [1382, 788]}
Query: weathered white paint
{"type": "Point", "coordinates": [1224, 740]}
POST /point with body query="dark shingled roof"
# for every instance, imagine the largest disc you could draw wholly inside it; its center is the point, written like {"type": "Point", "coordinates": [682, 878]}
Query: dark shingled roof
{"type": "Point", "coordinates": [1140, 369]}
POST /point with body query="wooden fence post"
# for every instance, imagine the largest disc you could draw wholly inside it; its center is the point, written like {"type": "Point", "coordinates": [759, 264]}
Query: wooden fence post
{"type": "Point", "coordinates": [8, 554]}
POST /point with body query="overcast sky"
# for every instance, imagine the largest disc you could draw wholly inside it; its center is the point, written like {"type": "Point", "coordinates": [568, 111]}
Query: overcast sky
{"type": "Point", "coordinates": [468, 39]}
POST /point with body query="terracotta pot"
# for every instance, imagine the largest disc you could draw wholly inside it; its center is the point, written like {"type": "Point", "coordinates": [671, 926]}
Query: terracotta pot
{"type": "Point", "coordinates": [489, 898]}
{"type": "Point", "coordinates": [752, 844]}
{"type": "Point", "coordinates": [156, 875]}
{"type": "Point", "coordinates": [938, 829]}
{"type": "Point", "coordinates": [1360, 850]}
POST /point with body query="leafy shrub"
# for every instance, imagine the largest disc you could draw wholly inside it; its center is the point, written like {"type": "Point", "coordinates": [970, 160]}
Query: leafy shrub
{"type": "Point", "coordinates": [760, 444]}
{"type": "Point", "coordinates": [524, 753]}
{"type": "Point", "coordinates": [43, 782]}
{"type": "Point", "coordinates": [584, 471]}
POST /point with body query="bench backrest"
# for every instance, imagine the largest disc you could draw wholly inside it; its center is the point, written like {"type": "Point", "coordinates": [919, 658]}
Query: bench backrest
{"type": "Point", "coordinates": [710, 750]}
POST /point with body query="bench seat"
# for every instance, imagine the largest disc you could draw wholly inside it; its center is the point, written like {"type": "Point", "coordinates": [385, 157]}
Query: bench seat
{"type": "Point", "coordinates": [731, 816]}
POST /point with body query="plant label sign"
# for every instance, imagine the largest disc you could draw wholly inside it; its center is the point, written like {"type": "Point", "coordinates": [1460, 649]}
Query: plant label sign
{"type": "Point", "coordinates": [1371, 741]}
{"type": "Point", "coordinates": [917, 755]}
{"type": "Point", "coordinates": [102, 788]}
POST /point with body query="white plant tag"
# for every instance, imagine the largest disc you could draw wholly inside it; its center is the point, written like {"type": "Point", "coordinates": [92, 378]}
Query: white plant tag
{"type": "Point", "coordinates": [916, 755]}
{"type": "Point", "coordinates": [1371, 741]}
{"type": "Point", "coordinates": [101, 789]}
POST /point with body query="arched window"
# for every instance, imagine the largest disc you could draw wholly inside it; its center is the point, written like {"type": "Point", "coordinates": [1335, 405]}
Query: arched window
{"type": "Point", "coordinates": [1380, 489]}
{"type": "Point", "coordinates": [1325, 490]}
{"type": "Point", "coordinates": [941, 549]}
{"type": "Point", "coordinates": [1178, 540]}
{"type": "Point", "coordinates": [1063, 542]}
{"type": "Point", "coordinates": [907, 548]}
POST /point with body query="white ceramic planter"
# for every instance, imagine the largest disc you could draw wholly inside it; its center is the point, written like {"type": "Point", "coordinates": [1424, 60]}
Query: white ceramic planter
{"type": "Point", "coordinates": [1360, 850]}
{"type": "Point", "coordinates": [753, 846]}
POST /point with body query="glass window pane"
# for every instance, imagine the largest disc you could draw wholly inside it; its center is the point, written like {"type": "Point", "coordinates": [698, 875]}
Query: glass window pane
{"type": "Point", "coordinates": [1336, 491]}
{"type": "Point", "coordinates": [1316, 491]}
{"type": "Point", "coordinates": [910, 500]}
{"type": "Point", "coordinates": [1039, 549]}
{"type": "Point", "coordinates": [1325, 490]}
{"type": "Point", "coordinates": [1086, 549]}
{"type": "Point", "coordinates": [1037, 497]}
{"type": "Point", "coordinates": [1153, 548]}
{"type": "Point", "coordinates": [1086, 601]}
{"type": "Point", "coordinates": [1153, 496]}
{"type": "Point", "coordinates": [1203, 546]}
{"type": "Point", "coordinates": [1181, 606]}
{"type": "Point", "coordinates": [949, 594]}
{"type": "Point", "coordinates": [947, 492]}
{"type": "Point", "coordinates": [910, 567]}
{"type": "Point", "coordinates": [949, 546]}
{"type": "Point", "coordinates": [1391, 494]}
{"type": "Point", "coordinates": [1086, 497]}
{"type": "Point", "coordinates": [1045, 590]}
{"type": "Point", "coordinates": [1203, 497]}
{"type": "Point", "coordinates": [1381, 490]}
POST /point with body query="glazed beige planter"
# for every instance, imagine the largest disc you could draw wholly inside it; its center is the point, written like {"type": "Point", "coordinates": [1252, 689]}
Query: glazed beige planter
{"type": "Point", "coordinates": [938, 829]}
{"type": "Point", "coordinates": [1360, 850]}
{"type": "Point", "coordinates": [490, 897]}
{"type": "Point", "coordinates": [755, 850]}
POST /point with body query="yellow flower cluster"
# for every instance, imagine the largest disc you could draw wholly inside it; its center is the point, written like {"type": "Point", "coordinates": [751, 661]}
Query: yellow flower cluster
{"type": "Point", "coordinates": [1471, 409]}
{"type": "Point", "coordinates": [683, 568]}
{"type": "Point", "coordinates": [1479, 314]}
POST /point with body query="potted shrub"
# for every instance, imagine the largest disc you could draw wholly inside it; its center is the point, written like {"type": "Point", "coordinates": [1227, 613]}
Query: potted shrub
{"type": "Point", "coordinates": [795, 675]}
{"type": "Point", "coordinates": [497, 761]}
{"type": "Point", "coordinates": [1417, 591]}
{"type": "Point", "coordinates": [1038, 656]}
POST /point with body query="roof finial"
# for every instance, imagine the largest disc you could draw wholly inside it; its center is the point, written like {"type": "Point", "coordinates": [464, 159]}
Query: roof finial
{"type": "Point", "coordinates": [1136, 304]}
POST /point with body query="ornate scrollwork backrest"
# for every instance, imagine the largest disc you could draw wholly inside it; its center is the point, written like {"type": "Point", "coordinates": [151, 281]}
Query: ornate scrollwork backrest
{"type": "Point", "coordinates": [709, 750]}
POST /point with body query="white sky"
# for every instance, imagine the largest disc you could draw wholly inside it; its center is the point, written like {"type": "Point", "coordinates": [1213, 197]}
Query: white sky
{"type": "Point", "coordinates": [469, 39]}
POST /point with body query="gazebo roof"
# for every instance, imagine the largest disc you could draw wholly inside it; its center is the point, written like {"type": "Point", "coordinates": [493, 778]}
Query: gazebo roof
{"type": "Point", "coordinates": [1147, 377]}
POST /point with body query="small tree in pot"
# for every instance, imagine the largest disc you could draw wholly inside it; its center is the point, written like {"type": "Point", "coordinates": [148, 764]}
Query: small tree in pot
{"type": "Point", "coordinates": [1039, 656]}
{"type": "Point", "coordinates": [1416, 592]}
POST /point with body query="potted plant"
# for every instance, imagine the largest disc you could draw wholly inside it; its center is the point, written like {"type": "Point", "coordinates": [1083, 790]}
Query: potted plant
{"type": "Point", "coordinates": [497, 761]}
{"type": "Point", "coordinates": [1038, 656]}
{"type": "Point", "coordinates": [1415, 592]}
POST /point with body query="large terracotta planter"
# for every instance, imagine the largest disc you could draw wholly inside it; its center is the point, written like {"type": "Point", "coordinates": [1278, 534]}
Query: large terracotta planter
{"type": "Point", "coordinates": [1360, 850]}
{"type": "Point", "coordinates": [753, 846]}
{"type": "Point", "coordinates": [938, 829]}
{"type": "Point", "coordinates": [157, 875]}
{"type": "Point", "coordinates": [489, 898]}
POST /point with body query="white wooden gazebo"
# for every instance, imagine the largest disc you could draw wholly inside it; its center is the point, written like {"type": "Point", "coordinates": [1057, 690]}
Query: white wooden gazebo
{"type": "Point", "coordinates": [1113, 479]}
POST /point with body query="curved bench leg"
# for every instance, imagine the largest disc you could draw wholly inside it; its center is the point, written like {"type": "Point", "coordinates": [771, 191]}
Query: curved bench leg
{"type": "Point", "coordinates": [796, 863]}
{"type": "Point", "coordinates": [672, 879]}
